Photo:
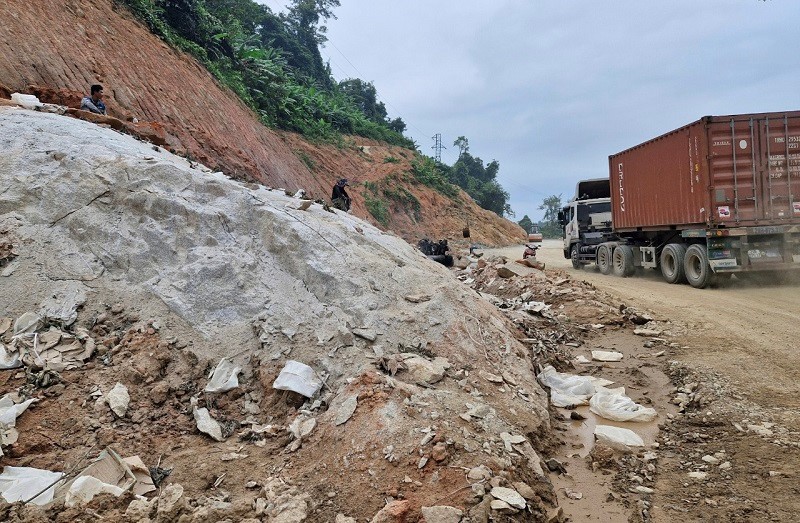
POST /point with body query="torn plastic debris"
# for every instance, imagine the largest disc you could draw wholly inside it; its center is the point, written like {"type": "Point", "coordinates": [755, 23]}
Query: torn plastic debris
{"type": "Point", "coordinates": [567, 389]}
{"type": "Point", "coordinates": [108, 474]}
{"type": "Point", "coordinates": [22, 483]}
{"type": "Point", "coordinates": [9, 360]}
{"type": "Point", "coordinates": [52, 349]}
{"type": "Point", "coordinates": [618, 438]}
{"type": "Point", "coordinates": [298, 377]}
{"type": "Point", "coordinates": [224, 377]}
{"type": "Point", "coordinates": [613, 404]}
{"type": "Point", "coordinates": [85, 488]}
{"type": "Point", "coordinates": [9, 412]}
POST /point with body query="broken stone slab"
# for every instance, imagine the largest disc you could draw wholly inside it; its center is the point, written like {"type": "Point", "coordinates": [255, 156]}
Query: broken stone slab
{"type": "Point", "coordinates": [647, 332]}
{"type": "Point", "coordinates": [422, 370]}
{"type": "Point", "coordinates": [505, 271]}
{"type": "Point", "coordinates": [602, 355]}
{"type": "Point", "coordinates": [524, 490]}
{"type": "Point", "coordinates": [367, 334]}
{"type": "Point", "coordinates": [501, 506]}
{"type": "Point", "coordinates": [417, 298]}
{"type": "Point", "coordinates": [302, 426]}
{"type": "Point", "coordinates": [394, 512]}
{"type": "Point", "coordinates": [509, 440]}
{"type": "Point", "coordinates": [224, 377]}
{"type": "Point", "coordinates": [205, 423]}
{"type": "Point", "coordinates": [442, 514]}
{"type": "Point", "coordinates": [488, 376]}
{"type": "Point", "coordinates": [298, 377]}
{"type": "Point", "coordinates": [479, 473]}
{"type": "Point", "coordinates": [62, 307]}
{"type": "Point", "coordinates": [510, 496]}
{"type": "Point", "coordinates": [118, 400]}
{"type": "Point", "coordinates": [700, 476]}
{"type": "Point", "coordinates": [346, 410]}
{"type": "Point", "coordinates": [300, 205]}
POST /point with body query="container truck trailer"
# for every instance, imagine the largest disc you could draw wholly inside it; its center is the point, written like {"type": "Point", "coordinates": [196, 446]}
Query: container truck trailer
{"type": "Point", "coordinates": [715, 197]}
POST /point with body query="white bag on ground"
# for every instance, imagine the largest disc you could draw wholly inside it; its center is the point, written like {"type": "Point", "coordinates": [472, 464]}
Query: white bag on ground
{"type": "Point", "coordinates": [225, 377]}
{"type": "Point", "coordinates": [298, 377]}
{"type": "Point", "coordinates": [613, 404]}
{"type": "Point", "coordinates": [567, 389]}
{"type": "Point", "coordinates": [22, 483]}
{"type": "Point", "coordinates": [618, 438]}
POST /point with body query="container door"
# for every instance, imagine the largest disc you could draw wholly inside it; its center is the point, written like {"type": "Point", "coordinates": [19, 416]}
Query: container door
{"type": "Point", "coordinates": [779, 168]}
{"type": "Point", "coordinates": [755, 170]}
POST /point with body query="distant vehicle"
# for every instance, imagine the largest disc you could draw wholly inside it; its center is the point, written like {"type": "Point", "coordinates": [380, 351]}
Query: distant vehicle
{"type": "Point", "coordinates": [716, 197]}
{"type": "Point", "coordinates": [534, 235]}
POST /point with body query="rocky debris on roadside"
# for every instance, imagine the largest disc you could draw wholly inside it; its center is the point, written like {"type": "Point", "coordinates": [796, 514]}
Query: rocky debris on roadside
{"type": "Point", "coordinates": [204, 367]}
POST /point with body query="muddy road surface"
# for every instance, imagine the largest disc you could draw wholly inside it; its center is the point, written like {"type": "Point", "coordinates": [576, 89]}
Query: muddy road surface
{"type": "Point", "coordinates": [732, 451]}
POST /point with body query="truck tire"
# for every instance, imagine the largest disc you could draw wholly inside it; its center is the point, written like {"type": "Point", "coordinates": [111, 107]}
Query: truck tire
{"type": "Point", "coordinates": [622, 261]}
{"type": "Point", "coordinates": [695, 265]}
{"type": "Point", "coordinates": [603, 259]}
{"type": "Point", "coordinates": [574, 255]}
{"type": "Point", "coordinates": [672, 263]}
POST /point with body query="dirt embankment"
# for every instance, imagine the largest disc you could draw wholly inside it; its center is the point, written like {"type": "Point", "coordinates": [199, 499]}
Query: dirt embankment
{"type": "Point", "coordinates": [57, 49]}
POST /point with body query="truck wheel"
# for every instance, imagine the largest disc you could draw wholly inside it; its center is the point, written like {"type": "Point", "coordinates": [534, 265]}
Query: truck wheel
{"type": "Point", "coordinates": [695, 264]}
{"type": "Point", "coordinates": [672, 263]}
{"type": "Point", "coordinates": [622, 261]}
{"type": "Point", "coordinates": [604, 262]}
{"type": "Point", "coordinates": [574, 255]}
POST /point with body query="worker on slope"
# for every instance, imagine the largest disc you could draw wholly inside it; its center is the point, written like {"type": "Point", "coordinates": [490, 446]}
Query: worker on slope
{"type": "Point", "coordinates": [339, 196]}
{"type": "Point", "coordinates": [94, 101]}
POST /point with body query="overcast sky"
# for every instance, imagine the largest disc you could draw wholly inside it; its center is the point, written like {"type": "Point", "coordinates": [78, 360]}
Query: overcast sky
{"type": "Point", "coordinates": [551, 88]}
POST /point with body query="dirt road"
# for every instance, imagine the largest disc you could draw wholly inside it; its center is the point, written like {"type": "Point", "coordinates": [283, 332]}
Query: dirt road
{"type": "Point", "coordinates": [737, 345]}
{"type": "Point", "coordinates": [749, 332]}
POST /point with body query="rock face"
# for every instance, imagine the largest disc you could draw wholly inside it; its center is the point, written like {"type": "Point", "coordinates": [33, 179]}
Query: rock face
{"type": "Point", "coordinates": [179, 102]}
{"type": "Point", "coordinates": [227, 269]}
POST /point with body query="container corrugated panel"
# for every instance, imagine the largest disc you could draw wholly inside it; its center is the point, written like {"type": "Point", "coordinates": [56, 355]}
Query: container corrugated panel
{"type": "Point", "coordinates": [741, 170]}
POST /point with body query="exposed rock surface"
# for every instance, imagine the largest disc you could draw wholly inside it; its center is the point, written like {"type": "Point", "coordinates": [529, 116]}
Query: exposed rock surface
{"type": "Point", "coordinates": [173, 268]}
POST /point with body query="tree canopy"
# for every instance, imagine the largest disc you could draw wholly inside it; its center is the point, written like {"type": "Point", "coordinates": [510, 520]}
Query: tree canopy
{"type": "Point", "coordinates": [273, 62]}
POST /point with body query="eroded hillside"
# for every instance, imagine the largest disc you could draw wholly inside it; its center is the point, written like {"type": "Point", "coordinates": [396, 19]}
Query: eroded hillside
{"type": "Point", "coordinates": [57, 49]}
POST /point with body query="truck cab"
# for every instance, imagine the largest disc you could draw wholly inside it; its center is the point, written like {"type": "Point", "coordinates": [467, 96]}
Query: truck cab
{"type": "Point", "coordinates": [586, 220]}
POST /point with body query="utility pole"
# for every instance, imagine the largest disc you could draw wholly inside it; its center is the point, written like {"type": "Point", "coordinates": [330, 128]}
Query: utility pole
{"type": "Point", "coordinates": [437, 147]}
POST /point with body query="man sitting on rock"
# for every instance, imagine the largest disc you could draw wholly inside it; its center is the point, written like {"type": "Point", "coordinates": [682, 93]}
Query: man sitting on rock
{"type": "Point", "coordinates": [339, 197]}
{"type": "Point", "coordinates": [94, 102]}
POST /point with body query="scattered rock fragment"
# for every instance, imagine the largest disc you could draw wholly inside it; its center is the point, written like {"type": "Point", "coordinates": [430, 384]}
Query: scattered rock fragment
{"type": "Point", "coordinates": [608, 356]}
{"type": "Point", "coordinates": [510, 496]}
{"type": "Point", "coordinates": [442, 514]}
{"type": "Point", "coordinates": [346, 410]}
{"type": "Point", "coordinates": [118, 400]}
{"type": "Point", "coordinates": [394, 512]}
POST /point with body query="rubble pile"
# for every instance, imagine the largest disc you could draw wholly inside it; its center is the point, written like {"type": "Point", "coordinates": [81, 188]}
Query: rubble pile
{"type": "Point", "coordinates": [260, 359]}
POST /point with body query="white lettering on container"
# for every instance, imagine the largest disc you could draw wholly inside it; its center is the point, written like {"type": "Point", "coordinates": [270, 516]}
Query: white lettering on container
{"type": "Point", "coordinates": [621, 188]}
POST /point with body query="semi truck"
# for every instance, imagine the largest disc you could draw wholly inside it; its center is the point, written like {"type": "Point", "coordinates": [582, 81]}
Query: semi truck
{"type": "Point", "coordinates": [716, 197]}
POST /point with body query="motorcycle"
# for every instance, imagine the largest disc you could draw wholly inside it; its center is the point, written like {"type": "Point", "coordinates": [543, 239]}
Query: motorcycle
{"type": "Point", "coordinates": [530, 251]}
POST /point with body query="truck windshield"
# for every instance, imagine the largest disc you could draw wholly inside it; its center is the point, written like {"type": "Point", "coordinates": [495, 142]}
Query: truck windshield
{"type": "Point", "coordinates": [584, 210]}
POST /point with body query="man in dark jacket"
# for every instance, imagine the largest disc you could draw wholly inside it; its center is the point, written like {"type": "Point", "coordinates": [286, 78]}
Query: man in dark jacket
{"type": "Point", "coordinates": [339, 196]}
{"type": "Point", "coordinates": [94, 101]}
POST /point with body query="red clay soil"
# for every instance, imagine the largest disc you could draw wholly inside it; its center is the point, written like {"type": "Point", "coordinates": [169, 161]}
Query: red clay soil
{"type": "Point", "coordinates": [56, 49]}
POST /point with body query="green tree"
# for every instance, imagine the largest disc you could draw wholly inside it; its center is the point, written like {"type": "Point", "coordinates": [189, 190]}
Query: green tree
{"type": "Point", "coordinates": [526, 223]}
{"type": "Point", "coordinates": [549, 225]}
{"type": "Point", "coordinates": [463, 145]}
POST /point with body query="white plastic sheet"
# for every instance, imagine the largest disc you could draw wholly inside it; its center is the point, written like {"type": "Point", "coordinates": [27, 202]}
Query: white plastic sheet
{"type": "Point", "coordinates": [22, 483]}
{"type": "Point", "coordinates": [224, 377]}
{"type": "Point", "coordinates": [613, 404]}
{"type": "Point", "coordinates": [85, 488]}
{"type": "Point", "coordinates": [618, 438]}
{"type": "Point", "coordinates": [298, 377]}
{"type": "Point", "coordinates": [567, 389]}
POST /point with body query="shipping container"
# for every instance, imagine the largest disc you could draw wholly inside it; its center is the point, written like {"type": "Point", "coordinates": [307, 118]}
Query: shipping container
{"type": "Point", "coordinates": [720, 171]}
{"type": "Point", "coordinates": [717, 197]}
